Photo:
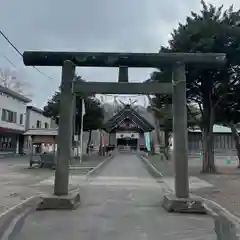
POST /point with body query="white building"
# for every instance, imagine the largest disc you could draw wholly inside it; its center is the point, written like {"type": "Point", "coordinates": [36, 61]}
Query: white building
{"type": "Point", "coordinates": [37, 122]}
{"type": "Point", "coordinates": [36, 119]}
{"type": "Point", "coordinates": [16, 118]}
{"type": "Point", "coordinates": [12, 121]}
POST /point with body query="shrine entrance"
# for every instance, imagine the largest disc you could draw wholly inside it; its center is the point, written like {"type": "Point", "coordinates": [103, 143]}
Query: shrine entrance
{"type": "Point", "coordinates": [127, 142]}
{"type": "Point", "coordinates": [175, 85]}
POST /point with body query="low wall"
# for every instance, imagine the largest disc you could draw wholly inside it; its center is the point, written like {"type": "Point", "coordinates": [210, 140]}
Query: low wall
{"type": "Point", "coordinates": [227, 225]}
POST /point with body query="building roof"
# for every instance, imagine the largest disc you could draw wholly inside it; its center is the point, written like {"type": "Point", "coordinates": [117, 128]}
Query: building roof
{"type": "Point", "coordinates": [128, 112]}
{"type": "Point", "coordinates": [14, 94]}
{"type": "Point", "coordinates": [38, 110]}
{"type": "Point", "coordinates": [216, 129]}
{"type": "Point", "coordinates": [42, 132]}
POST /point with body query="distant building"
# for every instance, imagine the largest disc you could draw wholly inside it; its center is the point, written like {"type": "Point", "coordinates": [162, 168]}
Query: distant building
{"type": "Point", "coordinates": [16, 119]}
{"type": "Point", "coordinates": [222, 139]}
{"type": "Point", "coordinates": [36, 119]}
{"type": "Point", "coordinates": [12, 122]}
{"type": "Point", "coordinates": [39, 126]}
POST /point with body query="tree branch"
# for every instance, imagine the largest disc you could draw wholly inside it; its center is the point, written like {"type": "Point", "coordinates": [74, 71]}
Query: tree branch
{"type": "Point", "coordinates": [225, 94]}
{"type": "Point", "coordinates": [200, 108]}
{"type": "Point", "coordinates": [194, 117]}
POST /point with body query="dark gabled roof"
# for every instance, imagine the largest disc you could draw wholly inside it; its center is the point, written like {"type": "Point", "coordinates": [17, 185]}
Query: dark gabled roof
{"type": "Point", "coordinates": [35, 109]}
{"type": "Point", "coordinates": [128, 112]}
{"type": "Point", "coordinates": [14, 94]}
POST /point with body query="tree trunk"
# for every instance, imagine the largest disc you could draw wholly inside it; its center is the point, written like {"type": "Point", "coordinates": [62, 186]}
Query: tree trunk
{"type": "Point", "coordinates": [78, 138]}
{"type": "Point", "coordinates": [89, 141]}
{"type": "Point", "coordinates": [236, 139]}
{"type": "Point", "coordinates": [166, 138]}
{"type": "Point", "coordinates": [152, 148]}
{"type": "Point", "coordinates": [157, 129]}
{"type": "Point", "coordinates": [166, 143]}
{"type": "Point", "coordinates": [208, 165]}
{"type": "Point", "coordinates": [208, 118]}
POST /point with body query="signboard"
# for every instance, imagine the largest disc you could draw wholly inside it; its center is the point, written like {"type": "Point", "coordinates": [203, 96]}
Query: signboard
{"type": "Point", "coordinates": [127, 135]}
{"type": "Point", "coordinates": [127, 125]}
{"type": "Point", "coordinates": [43, 139]}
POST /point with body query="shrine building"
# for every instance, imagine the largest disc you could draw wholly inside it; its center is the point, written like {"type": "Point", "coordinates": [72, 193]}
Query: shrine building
{"type": "Point", "coordinates": [127, 128]}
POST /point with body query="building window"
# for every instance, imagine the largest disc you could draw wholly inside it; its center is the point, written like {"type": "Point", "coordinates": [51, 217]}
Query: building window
{"type": "Point", "coordinates": [21, 119]}
{"type": "Point", "coordinates": [4, 115]}
{"type": "Point", "coordinates": [9, 116]}
{"type": "Point", "coordinates": [46, 125]}
{"type": "Point", "coordinates": [7, 142]}
{"type": "Point", "coordinates": [15, 117]}
{"type": "Point", "coordinates": [38, 124]}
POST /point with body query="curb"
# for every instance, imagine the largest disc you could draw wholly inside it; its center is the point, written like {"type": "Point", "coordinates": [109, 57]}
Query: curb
{"type": "Point", "coordinates": [79, 168]}
{"type": "Point", "coordinates": [10, 218]}
{"type": "Point", "coordinates": [151, 168]}
{"type": "Point", "coordinates": [2, 156]}
{"type": "Point", "coordinates": [99, 167]}
{"type": "Point", "coordinates": [226, 224]}
{"type": "Point", "coordinates": [156, 174]}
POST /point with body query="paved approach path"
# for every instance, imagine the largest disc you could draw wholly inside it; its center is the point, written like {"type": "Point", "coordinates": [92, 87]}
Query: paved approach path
{"type": "Point", "coordinates": [122, 203]}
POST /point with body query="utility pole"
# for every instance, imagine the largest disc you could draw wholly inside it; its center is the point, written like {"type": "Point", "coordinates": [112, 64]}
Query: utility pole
{"type": "Point", "coordinates": [81, 131]}
{"type": "Point", "coordinates": [74, 126]}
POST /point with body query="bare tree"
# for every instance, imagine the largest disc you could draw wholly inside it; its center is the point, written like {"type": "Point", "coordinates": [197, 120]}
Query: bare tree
{"type": "Point", "coordinates": [12, 79]}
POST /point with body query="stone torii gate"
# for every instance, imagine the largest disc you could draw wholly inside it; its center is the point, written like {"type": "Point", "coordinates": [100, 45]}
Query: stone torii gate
{"type": "Point", "coordinates": [180, 201]}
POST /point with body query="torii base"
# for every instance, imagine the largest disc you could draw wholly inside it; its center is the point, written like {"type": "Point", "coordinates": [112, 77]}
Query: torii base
{"type": "Point", "coordinates": [183, 205]}
{"type": "Point", "coordinates": [69, 202]}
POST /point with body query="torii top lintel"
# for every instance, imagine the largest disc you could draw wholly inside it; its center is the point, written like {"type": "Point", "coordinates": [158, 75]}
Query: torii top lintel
{"type": "Point", "coordinates": [111, 59]}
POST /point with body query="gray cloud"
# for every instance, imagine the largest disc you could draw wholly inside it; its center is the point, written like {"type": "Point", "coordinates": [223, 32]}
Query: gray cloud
{"type": "Point", "coordinates": [93, 25]}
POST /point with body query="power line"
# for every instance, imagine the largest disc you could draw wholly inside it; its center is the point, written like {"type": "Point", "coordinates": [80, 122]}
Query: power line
{"type": "Point", "coordinates": [6, 58]}
{"type": "Point", "coordinates": [16, 49]}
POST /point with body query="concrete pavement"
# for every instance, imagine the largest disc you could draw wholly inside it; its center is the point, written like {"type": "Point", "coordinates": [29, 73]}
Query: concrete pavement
{"type": "Point", "coordinates": [18, 182]}
{"type": "Point", "coordinates": [223, 188]}
{"type": "Point", "coordinates": [123, 202]}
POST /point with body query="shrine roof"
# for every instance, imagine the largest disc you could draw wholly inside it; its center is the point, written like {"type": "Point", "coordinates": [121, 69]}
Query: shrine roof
{"type": "Point", "coordinates": [133, 115]}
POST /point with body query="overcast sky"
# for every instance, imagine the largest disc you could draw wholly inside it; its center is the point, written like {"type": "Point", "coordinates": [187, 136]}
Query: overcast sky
{"type": "Point", "coordinates": [87, 25]}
